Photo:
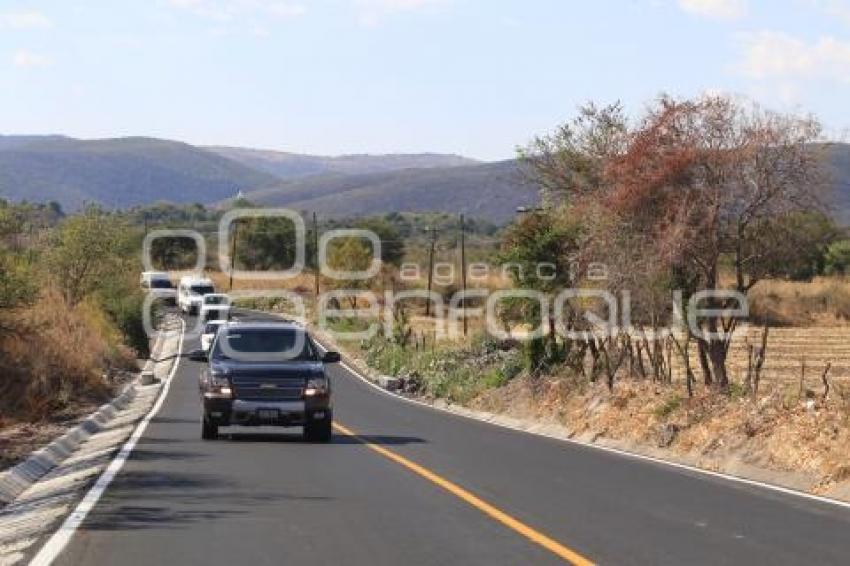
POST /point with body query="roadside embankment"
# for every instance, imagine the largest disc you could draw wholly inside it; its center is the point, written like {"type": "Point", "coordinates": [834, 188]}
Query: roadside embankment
{"type": "Point", "coordinates": [41, 490]}
{"type": "Point", "coordinates": [59, 361]}
{"type": "Point", "coordinates": [787, 435]}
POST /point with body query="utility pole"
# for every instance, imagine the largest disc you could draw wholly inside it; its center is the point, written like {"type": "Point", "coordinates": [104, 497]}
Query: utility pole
{"type": "Point", "coordinates": [316, 256]}
{"type": "Point", "coordinates": [463, 271]}
{"type": "Point", "coordinates": [433, 232]}
{"type": "Point", "coordinates": [31, 243]}
{"type": "Point", "coordinates": [146, 223]}
{"type": "Point", "coordinates": [233, 251]}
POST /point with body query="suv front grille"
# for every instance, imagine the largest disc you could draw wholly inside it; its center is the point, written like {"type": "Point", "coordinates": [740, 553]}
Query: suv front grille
{"type": "Point", "coordinates": [268, 389]}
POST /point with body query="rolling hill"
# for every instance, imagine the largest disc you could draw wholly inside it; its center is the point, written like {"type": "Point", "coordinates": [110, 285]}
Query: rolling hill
{"type": "Point", "coordinates": [118, 172]}
{"type": "Point", "coordinates": [839, 170]}
{"type": "Point", "coordinates": [124, 172]}
{"type": "Point", "coordinates": [485, 190]}
{"type": "Point", "coordinates": [293, 165]}
{"type": "Point", "coordinates": [489, 190]}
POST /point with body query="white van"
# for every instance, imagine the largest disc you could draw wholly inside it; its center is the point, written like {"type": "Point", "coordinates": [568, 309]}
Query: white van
{"type": "Point", "coordinates": [215, 306]}
{"type": "Point", "coordinates": [158, 284]}
{"type": "Point", "coordinates": [191, 291]}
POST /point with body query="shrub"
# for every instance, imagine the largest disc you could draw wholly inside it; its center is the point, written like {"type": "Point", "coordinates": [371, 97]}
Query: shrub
{"type": "Point", "coordinates": [56, 354]}
{"type": "Point", "coordinates": [447, 371]}
{"type": "Point", "coordinates": [495, 377]}
{"type": "Point", "coordinates": [668, 407]}
{"type": "Point", "coordinates": [16, 281]}
{"type": "Point", "coordinates": [125, 309]}
{"type": "Point", "coordinates": [534, 353]}
{"type": "Point", "coordinates": [837, 258]}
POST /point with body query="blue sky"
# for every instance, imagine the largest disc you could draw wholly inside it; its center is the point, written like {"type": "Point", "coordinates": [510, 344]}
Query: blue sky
{"type": "Point", "coordinates": [474, 77]}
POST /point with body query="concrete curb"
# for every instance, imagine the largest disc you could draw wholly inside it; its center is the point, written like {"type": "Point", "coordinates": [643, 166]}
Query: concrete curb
{"type": "Point", "coordinates": [19, 478]}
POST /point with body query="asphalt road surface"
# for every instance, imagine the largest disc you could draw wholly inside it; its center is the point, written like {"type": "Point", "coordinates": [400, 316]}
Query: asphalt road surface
{"type": "Point", "coordinates": [418, 486]}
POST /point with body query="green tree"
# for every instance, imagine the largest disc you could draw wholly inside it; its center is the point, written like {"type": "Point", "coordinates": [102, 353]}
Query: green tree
{"type": "Point", "coordinates": [349, 254]}
{"type": "Point", "coordinates": [392, 244]}
{"type": "Point", "coordinates": [265, 243]}
{"type": "Point", "coordinates": [542, 245]}
{"type": "Point", "coordinates": [173, 252]}
{"type": "Point", "coordinates": [539, 248]}
{"type": "Point", "coordinates": [10, 223]}
{"type": "Point", "coordinates": [88, 250]}
{"type": "Point", "coordinates": [793, 245]}
{"type": "Point", "coordinates": [16, 281]}
{"type": "Point", "coordinates": [837, 258]}
{"type": "Point", "coordinates": [16, 284]}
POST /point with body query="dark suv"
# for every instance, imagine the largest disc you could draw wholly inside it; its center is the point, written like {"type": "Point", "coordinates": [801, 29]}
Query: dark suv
{"type": "Point", "coordinates": [266, 374]}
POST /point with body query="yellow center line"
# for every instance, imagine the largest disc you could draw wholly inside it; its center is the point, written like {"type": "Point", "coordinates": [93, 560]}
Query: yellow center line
{"type": "Point", "coordinates": [493, 512]}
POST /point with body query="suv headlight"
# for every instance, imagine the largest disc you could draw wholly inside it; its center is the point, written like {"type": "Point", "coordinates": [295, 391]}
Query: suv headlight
{"type": "Point", "coordinates": [316, 387]}
{"type": "Point", "coordinates": [220, 385]}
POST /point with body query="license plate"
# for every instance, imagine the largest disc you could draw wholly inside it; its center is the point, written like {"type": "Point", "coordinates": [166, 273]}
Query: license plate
{"type": "Point", "coordinates": [268, 414]}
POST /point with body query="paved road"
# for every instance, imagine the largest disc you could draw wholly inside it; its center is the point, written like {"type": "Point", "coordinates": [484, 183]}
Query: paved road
{"type": "Point", "coordinates": [261, 496]}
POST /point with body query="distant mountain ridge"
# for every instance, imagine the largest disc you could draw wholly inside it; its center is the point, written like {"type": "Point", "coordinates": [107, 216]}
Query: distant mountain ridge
{"type": "Point", "coordinates": [491, 191]}
{"type": "Point", "coordinates": [124, 172]}
{"type": "Point", "coordinates": [286, 165]}
{"type": "Point", "coordinates": [486, 190]}
{"type": "Point", "coordinates": [119, 172]}
{"type": "Point", "coordinates": [10, 142]}
{"type": "Point", "coordinates": [839, 171]}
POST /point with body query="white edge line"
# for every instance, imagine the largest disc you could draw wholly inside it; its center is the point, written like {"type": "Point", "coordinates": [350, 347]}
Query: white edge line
{"type": "Point", "coordinates": [609, 449]}
{"type": "Point", "coordinates": [60, 539]}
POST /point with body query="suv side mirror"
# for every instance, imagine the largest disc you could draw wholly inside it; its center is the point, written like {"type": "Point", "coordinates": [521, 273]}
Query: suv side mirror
{"type": "Point", "coordinates": [198, 356]}
{"type": "Point", "coordinates": [331, 358]}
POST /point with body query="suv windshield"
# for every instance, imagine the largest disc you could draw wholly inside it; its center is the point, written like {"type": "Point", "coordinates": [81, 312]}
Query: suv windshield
{"type": "Point", "coordinates": [215, 300]}
{"type": "Point", "coordinates": [265, 344]}
{"type": "Point", "coordinates": [160, 284]}
{"type": "Point", "coordinates": [201, 289]}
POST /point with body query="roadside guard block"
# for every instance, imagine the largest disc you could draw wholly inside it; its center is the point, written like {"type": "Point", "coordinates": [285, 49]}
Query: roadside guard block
{"type": "Point", "coordinates": [21, 477]}
{"type": "Point", "coordinates": [389, 382]}
{"type": "Point", "coordinates": [148, 378]}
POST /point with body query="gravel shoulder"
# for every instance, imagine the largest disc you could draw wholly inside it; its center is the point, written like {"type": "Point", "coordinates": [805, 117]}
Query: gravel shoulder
{"type": "Point", "coordinates": [19, 440]}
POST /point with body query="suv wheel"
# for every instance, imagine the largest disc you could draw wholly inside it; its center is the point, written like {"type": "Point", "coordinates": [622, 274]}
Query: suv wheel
{"type": "Point", "coordinates": [209, 431]}
{"type": "Point", "coordinates": [319, 431]}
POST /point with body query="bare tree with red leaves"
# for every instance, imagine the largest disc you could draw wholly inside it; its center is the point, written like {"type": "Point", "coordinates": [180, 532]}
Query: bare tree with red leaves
{"type": "Point", "coordinates": [707, 179]}
{"type": "Point", "coordinates": [694, 186]}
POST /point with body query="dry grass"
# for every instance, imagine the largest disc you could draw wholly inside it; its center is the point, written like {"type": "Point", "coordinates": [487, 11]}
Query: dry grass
{"type": "Point", "coordinates": [778, 431]}
{"type": "Point", "coordinates": [56, 355]}
{"type": "Point", "coordinates": [824, 301]}
{"type": "Point", "coordinates": [302, 283]}
{"type": "Point", "coordinates": [493, 279]}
